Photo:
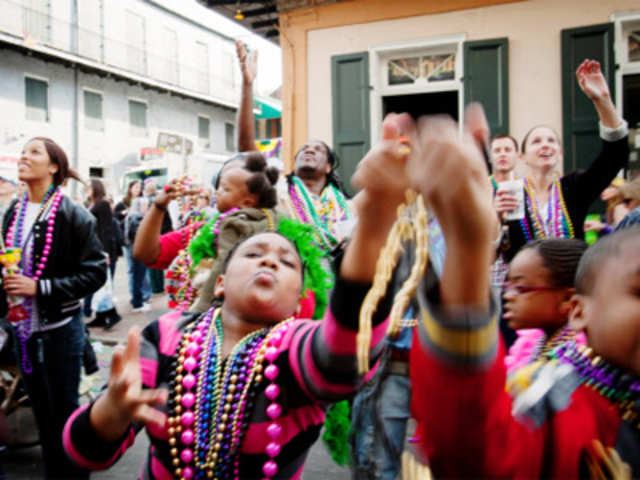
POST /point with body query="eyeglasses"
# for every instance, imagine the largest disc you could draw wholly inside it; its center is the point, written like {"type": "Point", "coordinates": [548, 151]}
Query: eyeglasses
{"type": "Point", "coordinates": [520, 289]}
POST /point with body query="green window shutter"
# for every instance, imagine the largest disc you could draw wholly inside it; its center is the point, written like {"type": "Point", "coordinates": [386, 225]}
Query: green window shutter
{"type": "Point", "coordinates": [93, 111]}
{"type": "Point", "coordinates": [579, 118]}
{"type": "Point", "coordinates": [36, 99]}
{"type": "Point", "coordinates": [350, 100]}
{"type": "Point", "coordinates": [203, 128]}
{"type": "Point", "coordinates": [486, 80]}
{"type": "Point", "coordinates": [138, 118]}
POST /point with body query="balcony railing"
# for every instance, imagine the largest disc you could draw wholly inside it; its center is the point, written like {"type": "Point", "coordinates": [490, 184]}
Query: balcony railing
{"type": "Point", "coordinates": [40, 28]}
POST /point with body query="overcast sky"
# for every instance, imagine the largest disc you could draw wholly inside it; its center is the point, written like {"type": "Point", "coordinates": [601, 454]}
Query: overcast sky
{"type": "Point", "coordinates": [270, 56]}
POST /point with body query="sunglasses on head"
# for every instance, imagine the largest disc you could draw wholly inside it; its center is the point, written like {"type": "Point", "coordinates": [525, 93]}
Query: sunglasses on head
{"type": "Point", "coordinates": [627, 201]}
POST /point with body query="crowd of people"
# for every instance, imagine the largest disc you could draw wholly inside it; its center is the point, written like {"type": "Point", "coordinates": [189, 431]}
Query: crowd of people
{"type": "Point", "coordinates": [460, 321]}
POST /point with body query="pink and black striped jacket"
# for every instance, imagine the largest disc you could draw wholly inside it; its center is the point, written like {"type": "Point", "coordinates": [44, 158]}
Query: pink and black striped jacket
{"type": "Point", "coordinates": [317, 364]}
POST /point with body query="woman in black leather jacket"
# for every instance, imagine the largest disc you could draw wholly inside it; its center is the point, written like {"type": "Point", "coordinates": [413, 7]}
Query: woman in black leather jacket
{"type": "Point", "coordinates": [61, 262]}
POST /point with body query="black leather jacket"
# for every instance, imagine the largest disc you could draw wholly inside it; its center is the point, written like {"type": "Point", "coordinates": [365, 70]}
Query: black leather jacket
{"type": "Point", "coordinates": [76, 265]}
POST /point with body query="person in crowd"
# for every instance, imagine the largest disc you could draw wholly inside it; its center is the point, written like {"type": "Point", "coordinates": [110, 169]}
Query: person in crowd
{"type": "Point", "coordinates": [245, 199]}
{"type": "Point", "coordinates": [504, 157]}
{"type": "Point", "coordinates": [134, 190]}
{"type": "Point", "coordinates": [60, 262]}
{"type": "Point", "coordinates": [268, 406]}
{"type": "Point", "coordinates": [138, 209]}
{"type": "Point", "coordinates": [537, 297]}
{"type": "Point", "coordinates": [314, 193]}
{"type": "Point", "coordinates": [615, 211]}
{"type": "Point", "coordinates": [631, 200]}
{"type": "Point", "coordinates": [557, 206]}
{"type": "Point", "coordinates": [8, 189]}
{"type": "Point", "coordinates": [101, 210]}
{"type": "Point", "coordinates": [156, 277]}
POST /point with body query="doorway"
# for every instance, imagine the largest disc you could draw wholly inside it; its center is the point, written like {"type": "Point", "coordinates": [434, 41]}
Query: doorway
{"type": "Point", "coordinates": [420, 104]}
{"type": "Point", "coordinates": [631, 113]}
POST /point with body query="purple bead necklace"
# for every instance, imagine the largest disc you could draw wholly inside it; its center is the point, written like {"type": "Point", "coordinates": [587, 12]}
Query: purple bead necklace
{"type": "Point", "coordinates": [620, 387]}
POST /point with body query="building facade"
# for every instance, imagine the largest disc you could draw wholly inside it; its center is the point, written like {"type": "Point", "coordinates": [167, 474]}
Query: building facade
{"type": "Point", "coordinates": [109, 80]}
{"type": "Point", "coordinates": [348, 62]}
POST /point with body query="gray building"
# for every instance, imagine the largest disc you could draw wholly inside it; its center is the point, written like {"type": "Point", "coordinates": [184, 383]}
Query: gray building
{"type": "Point", "coordinates": [106, 78]}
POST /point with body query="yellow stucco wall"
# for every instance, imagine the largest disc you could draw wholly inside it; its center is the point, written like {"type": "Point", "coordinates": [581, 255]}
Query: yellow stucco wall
{"type": "Point", "coordinates": [310, 37]}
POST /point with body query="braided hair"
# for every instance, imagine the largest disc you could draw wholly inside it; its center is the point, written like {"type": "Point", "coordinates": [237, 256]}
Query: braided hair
{"type": "Point", "coordinates": [560, 256]}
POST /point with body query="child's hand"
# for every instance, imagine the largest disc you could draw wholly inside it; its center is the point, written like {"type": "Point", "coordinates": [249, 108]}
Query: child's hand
{"type": "Point", "coordinates": [125, 400]}
{"type": "Point", "coordinates": [382, 172]}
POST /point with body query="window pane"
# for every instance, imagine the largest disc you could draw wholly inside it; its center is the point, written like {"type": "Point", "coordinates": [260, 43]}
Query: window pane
{"type": "Point", "coordinates": [93, 111]}
{"type": "Point", "coordinates": [203, 128]}
{"type": "Point", "coordinates": [138, 118]}
{"type": "Point", "coordinates": [230, 135]}
{"type": "Point", "coordinates": [202, 65]}
{"type": "Point", "coordinates": [634, 46]}
{"type": "Point", "coordinates": [436, 68]}
{"type": "Point", "coordinates": [136, 55]}
{"type": "Point", "coordinates": [36, 101]}
{"type": "Point", "coordinates": [404, 70]}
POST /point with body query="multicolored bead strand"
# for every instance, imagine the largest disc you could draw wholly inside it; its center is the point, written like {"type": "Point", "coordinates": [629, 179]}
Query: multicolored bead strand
{"type": "Point", "coordinates": [558, 223]}
{"type": "Point", "coordinates": [609, 381]}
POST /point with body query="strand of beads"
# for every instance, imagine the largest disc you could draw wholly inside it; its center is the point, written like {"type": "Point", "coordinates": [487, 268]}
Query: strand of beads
{"type": "Point", "coordinates": [621, 388]}
{"type": "Point", "coordinates": [215, 228]}
{"type": "Point", "coordinates": [272, 392]}
{"type": "Point", "coordinates": [21, 314]}
{"type": "Point", "coordinates": [180, 422]}
{"type": "Point", "coordinates": [567, 219]}
{"type": "Point", "coordinates": [306, 213]}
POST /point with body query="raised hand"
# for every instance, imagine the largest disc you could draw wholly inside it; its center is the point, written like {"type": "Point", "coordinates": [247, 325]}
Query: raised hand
{"type": "Point", "coordinates": [592, 81]}
{"type": "Point", "coordinates": [125, 400]}
{"type": "Point", "coordinates": [248, 62]}
{"type": "Point", "coordinates": [176, 188]}
{"type": "Point", "coordinates": [382, 172]}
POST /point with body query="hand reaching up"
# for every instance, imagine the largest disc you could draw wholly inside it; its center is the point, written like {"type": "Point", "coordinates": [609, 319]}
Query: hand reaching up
{"type": "Point", "coordinates": [451, 174]}
{"type": "Point", "coordinates": [592, 81]}
{"type": "Point", "coordinates": [382, 172]}
{"type": "Point", "coordinates": [248, 62]}
{"type": "Point", "coordinates": [125, 400]}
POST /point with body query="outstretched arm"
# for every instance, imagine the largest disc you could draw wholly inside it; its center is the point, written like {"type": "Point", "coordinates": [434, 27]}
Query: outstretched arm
{"type": "Point", "coordinates": [246, 129]}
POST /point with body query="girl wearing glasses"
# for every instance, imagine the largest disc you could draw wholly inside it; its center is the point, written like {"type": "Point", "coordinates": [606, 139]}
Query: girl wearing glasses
{"type": "Point", "coordinates": [536, 296]}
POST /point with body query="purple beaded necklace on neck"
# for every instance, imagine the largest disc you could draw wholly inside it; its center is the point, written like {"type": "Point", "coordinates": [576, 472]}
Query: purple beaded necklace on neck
{"type": "Point", "coordinates": [23, 311]}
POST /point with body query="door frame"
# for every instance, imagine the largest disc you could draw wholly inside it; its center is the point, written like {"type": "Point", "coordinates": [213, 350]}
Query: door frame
{"type": "Point", "coordinates": [379, 57]}
{"type": "Point", "coordinates": [620, 21]}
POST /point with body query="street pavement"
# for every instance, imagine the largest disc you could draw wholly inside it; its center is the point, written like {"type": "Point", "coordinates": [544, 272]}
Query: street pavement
{"type": "Point", "coordinates": [25, 463]}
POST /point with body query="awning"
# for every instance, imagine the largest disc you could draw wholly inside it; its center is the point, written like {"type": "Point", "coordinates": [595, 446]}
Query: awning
{"type": "Point", "coordinates": [263, 109]}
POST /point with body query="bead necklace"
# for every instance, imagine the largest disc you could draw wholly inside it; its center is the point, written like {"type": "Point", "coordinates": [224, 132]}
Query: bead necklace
{"type": "Point", "coordinates": [493, 182]}
{"type": "Point", "coordinates": [213, 398]}
{"type": "Point", "coordinates": [620, 387]}
{"type": "Point", "coordinates": [306, 212]}
{"type": "Point", "coordinates": [21, 313]}
{"type": "Point", "coordinates": [558, 223]}
{"type": "Point", "coordinates": [547, 344]}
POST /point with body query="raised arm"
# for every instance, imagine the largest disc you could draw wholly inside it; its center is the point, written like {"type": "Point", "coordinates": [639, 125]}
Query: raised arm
{"type": "Point", "coordinates": [249, 67]}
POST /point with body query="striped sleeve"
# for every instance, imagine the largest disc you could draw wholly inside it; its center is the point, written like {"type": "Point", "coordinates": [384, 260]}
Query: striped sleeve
{"type": "Point", "coordinates": [460, 336]}
{"type": "Point", "coordinates": [323, 354]}
{"type": "Point", "coordinates": [82, 443]}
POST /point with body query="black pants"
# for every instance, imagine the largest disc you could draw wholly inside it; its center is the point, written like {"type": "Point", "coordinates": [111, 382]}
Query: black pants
{"type": "Point", "coordinates": [52, 385]}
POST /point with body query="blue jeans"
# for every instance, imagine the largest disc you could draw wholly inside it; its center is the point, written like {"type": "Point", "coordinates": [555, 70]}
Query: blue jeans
{"type": "Point", "coordinates": [139, 286]}
{"type": "Point", "coordinates": [52, 386]}
{"type": "Point", "coordinates": [379, 423]}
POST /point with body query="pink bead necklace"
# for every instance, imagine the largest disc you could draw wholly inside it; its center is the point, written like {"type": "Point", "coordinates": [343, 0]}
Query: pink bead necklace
{"type": "Point", "coordinates": [21, 313]}
{"type": "Point", "coordinates": [212, 399]}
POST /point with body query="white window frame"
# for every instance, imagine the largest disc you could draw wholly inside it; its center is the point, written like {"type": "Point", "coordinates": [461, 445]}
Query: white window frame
{"type": "Point", "coordinates": [379, 57]}
{"type": "Point", "coordinates": [621, 21]}
{"type": "Point", "coordinates": [97, 92]}
{"type": "Point", "coordinates": [41, 79]}
{"type": "Point", "coordinates": [139, 100]}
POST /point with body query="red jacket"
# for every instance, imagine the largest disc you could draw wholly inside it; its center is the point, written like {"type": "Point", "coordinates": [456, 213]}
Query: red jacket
{"type": "Point", "coordinates": [466, 427]}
